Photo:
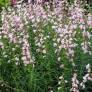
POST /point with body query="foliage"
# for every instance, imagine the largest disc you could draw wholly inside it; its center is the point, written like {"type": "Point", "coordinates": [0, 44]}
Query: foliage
{"type": "Point", "coordinates": [4, 3]}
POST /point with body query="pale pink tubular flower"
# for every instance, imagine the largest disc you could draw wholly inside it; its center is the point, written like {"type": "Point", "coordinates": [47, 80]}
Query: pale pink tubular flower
{"type": "Point", "coordinates": [89, 21]}
{"type": "Point", "coordinates": [13, 2]}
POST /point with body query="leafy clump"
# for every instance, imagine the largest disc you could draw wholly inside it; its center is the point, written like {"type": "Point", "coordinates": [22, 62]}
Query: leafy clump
{"type": "Point", "coordinates": [4, 3]}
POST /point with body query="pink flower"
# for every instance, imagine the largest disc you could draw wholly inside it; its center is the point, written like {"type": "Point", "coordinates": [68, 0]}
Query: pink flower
{"type": "Point", "coordinates": [13, 2]}
{"type": "Point", "coordinates": [89, 21]}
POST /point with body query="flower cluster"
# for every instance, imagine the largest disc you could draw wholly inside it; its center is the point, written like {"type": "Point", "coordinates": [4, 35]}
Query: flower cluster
{"type": "Point", "coordinates": [75, 83]}
{"type": "Point", "coordinates": [87, 76]}
{"type": "Point", "coordinates": [13, 28]}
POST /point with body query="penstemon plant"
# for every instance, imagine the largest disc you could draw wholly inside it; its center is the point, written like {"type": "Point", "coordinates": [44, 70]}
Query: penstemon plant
{"type": "Point", "coordinates": [46, 47]}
